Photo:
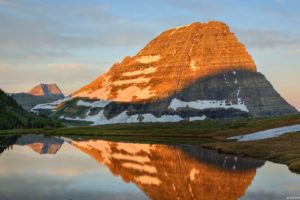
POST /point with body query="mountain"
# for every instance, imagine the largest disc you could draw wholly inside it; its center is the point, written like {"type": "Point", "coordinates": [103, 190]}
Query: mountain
{"type": "Point", "coordinates": [12, 115]}
{"type": "Point", "coordinates": [170, 62]}
{"type": "Point", "coordinates": [194, 72]}
{"type": "Point", "coordinates": [46, 90]}
{"type": "Point", "coordinates": [42, 93]}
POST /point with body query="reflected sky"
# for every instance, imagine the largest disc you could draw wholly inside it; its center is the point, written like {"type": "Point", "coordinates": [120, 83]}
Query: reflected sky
{"type": "Point", "coordinates": [97, 169]}
{"type": "Point", "coordinates": [69, 174]}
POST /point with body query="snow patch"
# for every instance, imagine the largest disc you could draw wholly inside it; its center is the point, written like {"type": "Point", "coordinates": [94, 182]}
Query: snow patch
{"type": "Point", "coordinates": [49, 106]}
{"type": "Point", "coordinates": [206, 104]}
{"type": "Point", "coordinates": [94, 104]}
{"type": "Point", "coordinates": [100, 119]}
{"type": "Point", "coordinates": [134, 91]}
{"type": "Point", "coordinates": [203, 117]}
{"type": "Point", "coordinates": [144, 167]}
{"type": "Point", "coordinates": [140, 72]}
{"type": "Point", "coordinates": [148, 180]}
{"type": "Point", "coordinates": [193, 173]}
{"type": "Point", "coordinates": [184, 26]}
{"type": "Point", "coordinates": [101, 93]}
{"type": "Point", "coordinates": [132, 81]}
{"type": "Point", "coordinates": [148, 59]}
{"type": "Point", "coordinates": [193, 65]}
{"type": "Point", "coordinates": [134, 149]}
{"type": "Point", "coordinates": [270, 133]}
{"type": "Point", "coordinates": [135, 158]}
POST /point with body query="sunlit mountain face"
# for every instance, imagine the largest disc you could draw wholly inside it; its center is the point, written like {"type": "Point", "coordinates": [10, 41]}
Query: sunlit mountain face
{"type": "Point", "coordinates": [170, 62]}
{"type": "Point", "coordinates": [194, 72]}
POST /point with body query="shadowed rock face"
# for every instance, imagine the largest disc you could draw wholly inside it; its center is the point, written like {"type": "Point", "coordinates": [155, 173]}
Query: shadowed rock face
{"type": "Point", "coordinates": [170, 62]}
{"type": "Point", "coordinates": [232, 94]}
{"type": "Point", "coordinates": [174, 172]}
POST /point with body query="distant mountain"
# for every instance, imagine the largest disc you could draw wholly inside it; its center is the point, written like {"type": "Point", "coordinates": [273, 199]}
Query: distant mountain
{"type": "Point", "coordinates": [46, 90]}
{"type": "Point", "coordinates": [194, 72]}
{"type": "Point", "coordinates": [12, 115]}
{"type": "Point", "coordinates": [42, 93]}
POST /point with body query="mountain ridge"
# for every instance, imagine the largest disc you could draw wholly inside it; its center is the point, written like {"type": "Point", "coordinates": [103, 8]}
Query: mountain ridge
{"type": "Point", "coordinates": [195, 72]}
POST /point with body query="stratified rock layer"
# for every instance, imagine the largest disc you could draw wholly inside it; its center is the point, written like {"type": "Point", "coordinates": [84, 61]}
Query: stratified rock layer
{"type": "Point", "coordinates": [170, 62]}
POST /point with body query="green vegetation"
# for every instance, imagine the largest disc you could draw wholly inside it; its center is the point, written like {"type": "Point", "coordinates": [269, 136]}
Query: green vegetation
{"type": "Point", "coordinates": [13, 116]}
{"type": "Point", "coordinates": [209, 134]}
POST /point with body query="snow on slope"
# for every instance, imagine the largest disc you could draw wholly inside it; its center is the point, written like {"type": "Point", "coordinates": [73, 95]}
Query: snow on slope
{"type": "Point", "coordinates": [206, 104]}
{"type": "Point", "coordinates": [100, 119]}
{"type": "Point", "coordinates": [49, 106]}
{"type": "Point", "coordinates": [148, 59]}
{"type": "Point", "coordinates": [140, 72]}
{"type": "Point", "coordinates": [94, 104]}
{"type": "Point", "coordinates": [270, 133]}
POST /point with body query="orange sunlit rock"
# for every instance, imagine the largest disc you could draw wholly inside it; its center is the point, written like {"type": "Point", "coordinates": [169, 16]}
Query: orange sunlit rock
{"type": "Point", "coordinates": [171, 61]}
{"type": "Point", "coordinates": [45, 89]}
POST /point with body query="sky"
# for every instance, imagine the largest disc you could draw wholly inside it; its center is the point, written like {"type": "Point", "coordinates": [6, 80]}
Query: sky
{"type": "Point", "coordinates": [73, 42]}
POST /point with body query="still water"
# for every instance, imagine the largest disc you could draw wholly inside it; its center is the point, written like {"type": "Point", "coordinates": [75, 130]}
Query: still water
{"type": "Point", "coordinates": [39, 167]}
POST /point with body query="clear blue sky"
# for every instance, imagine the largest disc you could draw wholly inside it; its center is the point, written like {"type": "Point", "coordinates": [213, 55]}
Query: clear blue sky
{"type": "Point", "coordinates": [73, 42]}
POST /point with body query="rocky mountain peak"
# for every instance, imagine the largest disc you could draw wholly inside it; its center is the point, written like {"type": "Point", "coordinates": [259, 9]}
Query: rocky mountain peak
{"type": "Point", "coordinates": [170, 62]}
{"type": "Point", "coordinates": [45, 90]}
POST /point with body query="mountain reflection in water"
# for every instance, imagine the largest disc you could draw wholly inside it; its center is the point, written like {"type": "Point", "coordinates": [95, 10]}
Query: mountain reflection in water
{"type": "Point", "coordinates": [174, 172]}
{"type": "Point", "coordinates": [160, 171]}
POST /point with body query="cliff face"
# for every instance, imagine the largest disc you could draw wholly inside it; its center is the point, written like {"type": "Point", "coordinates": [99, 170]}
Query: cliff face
{"type": "Point", "coordinates": [172, 172]}
{"type": "Point", "coordinates": [170, 62]}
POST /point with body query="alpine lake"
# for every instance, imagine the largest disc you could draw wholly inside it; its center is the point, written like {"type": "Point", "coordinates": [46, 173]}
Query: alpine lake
{"type": "Point", "coordinates": [35, 166]}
